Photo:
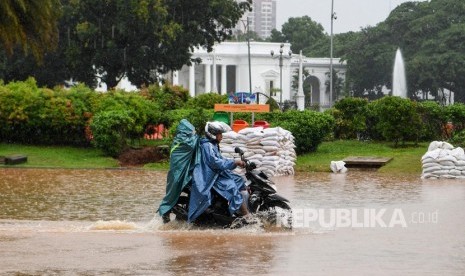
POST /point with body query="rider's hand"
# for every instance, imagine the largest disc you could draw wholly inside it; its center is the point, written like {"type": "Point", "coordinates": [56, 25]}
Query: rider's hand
{"type": "Point", "coordinates": [240, 163]}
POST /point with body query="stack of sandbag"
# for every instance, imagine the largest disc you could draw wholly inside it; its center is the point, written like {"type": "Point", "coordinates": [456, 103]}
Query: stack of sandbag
{"type": "Point", "coordinates": [442, 160]}
{"type": "Point", "coordinates": [271, 149]}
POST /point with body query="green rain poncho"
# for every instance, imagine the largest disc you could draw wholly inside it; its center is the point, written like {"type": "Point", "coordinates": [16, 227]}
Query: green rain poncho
{"type": "Point", "coordinates": [184, 154]}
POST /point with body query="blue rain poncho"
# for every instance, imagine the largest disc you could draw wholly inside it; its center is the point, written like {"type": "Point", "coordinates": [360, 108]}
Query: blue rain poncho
{"type": "Point", "coordinates": [184, 154]}
{"type": "Point", "coordinates": [214, 171]}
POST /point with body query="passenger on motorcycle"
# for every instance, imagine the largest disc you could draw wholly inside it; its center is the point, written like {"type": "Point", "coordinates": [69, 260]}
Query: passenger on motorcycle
{"type": "Point", "coordinates": [214, 171]}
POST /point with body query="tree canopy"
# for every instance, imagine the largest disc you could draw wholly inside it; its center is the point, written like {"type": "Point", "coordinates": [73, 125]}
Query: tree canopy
{"type": "Point", "coordinates": [29, 23]}
{"type": "Point", "coordinates": [110, 39]}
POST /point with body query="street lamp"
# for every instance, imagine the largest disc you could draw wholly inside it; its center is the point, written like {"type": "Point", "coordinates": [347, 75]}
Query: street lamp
{"type": "Point", "coordinates": [247, 28]}
{"type": "Point", "coordinates": [333, 17]}
{"type": "Point", "coordinates": [281, 57]}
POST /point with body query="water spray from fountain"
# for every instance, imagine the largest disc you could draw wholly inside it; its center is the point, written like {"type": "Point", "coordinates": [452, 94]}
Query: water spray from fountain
{"type": "Point", "coordinates": [399, 82]}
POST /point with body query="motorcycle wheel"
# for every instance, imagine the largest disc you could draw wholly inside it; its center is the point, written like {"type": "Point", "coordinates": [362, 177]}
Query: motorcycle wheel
{"type": "Point", "coordinates": [277, 214]}
{"type": "Point", "coordinates": [181, 207]}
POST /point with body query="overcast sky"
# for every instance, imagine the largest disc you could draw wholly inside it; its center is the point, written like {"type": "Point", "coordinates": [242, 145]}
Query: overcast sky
{"type": "Point", "coordinates": [351, 14]}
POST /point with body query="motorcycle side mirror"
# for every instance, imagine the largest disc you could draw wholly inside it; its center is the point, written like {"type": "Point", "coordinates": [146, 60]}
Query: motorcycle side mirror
{"type": "Point", "coordinates": [238, 150]}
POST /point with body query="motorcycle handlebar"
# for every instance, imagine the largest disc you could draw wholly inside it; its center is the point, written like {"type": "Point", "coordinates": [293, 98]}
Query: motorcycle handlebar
{"type": "Point", "coordinates": [248, 165]}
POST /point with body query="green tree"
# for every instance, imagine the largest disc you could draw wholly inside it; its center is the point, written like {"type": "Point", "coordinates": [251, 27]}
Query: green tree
{"type": "Point", "coordinates": [29, 23]}
{"type": "Point", "coordinates": [110, 39]}
{"type": "Point", "coordinates": [142, 39]}
{"type": "Point", "coordinates": [301, 32]}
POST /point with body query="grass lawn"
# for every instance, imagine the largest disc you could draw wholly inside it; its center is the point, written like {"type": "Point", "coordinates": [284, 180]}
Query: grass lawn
{"type": "Point", "coordinates": [406, 159]}
{"type": "Point", "coordinates": [58, 156]}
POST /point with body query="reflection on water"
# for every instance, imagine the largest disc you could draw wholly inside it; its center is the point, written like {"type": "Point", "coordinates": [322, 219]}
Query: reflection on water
{"type": "Point", "coordinates": [90, 222]}
{"type": "Point", "coordinates": [37, 194]}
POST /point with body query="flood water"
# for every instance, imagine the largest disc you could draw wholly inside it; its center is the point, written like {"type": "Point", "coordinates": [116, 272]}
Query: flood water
{"type": "Point", "coordinates": [104, 222]}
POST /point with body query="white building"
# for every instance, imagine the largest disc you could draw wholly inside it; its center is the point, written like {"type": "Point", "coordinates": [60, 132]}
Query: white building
{"type": "Point", "coordinates": [226, 70]}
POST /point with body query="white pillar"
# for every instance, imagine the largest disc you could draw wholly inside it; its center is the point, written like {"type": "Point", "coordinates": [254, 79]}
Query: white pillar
{"type": "Point", "coordinates": [223, 79]}
{"type": "Point", "coordinates": [238, 79]}
{"type": "Point", "coordinates": [214, 75]}
{"type": "Point", "coordinates": [175, 77]}
{"type": "Point", "coordinates": [192, 80]}
{"type": "Point", "coordinates": [208, 78]}
{"type": "Point", "coordinates": [300, 91]}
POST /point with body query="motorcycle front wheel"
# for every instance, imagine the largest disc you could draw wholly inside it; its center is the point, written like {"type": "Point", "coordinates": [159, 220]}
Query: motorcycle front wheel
{"type": "Point", "coordinates": [276, 214]}
{"type": "Point", "coordinates": [181, 207]}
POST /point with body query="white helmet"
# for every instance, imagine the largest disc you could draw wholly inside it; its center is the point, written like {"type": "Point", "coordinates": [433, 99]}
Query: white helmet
{"type": "Point", "coordinates": [214, 128]}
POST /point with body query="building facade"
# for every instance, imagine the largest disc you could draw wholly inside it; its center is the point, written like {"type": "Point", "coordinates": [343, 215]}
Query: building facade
{"type": "Point", "coordinates": [225, 70]}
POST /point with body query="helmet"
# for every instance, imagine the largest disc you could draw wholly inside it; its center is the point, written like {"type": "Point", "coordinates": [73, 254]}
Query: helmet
{"type": "Point", "coordinates": [214, 128]}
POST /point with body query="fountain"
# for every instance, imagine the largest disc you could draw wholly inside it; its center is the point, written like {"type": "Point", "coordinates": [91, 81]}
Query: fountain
{"type": "Point", "coordinates": [399, 83]}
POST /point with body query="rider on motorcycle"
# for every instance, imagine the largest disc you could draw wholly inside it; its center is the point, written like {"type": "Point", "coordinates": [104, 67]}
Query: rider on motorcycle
{"type": "Point", "coordinates": [214, 171]}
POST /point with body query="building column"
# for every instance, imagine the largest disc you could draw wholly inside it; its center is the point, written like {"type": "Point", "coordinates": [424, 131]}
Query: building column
{"type": "Point", "coordinates": [214, 75]}
{"type": "Point", "coordinates": [176, 77]}
{"type": "Point", "coordinates": [192, 80]}
{"type": "Point", "coordinates": [208, 78]}
{"type": "Point", "coordinates": [238, 78]}
{"type": "Point", "coordinates": [223, 80]}
{"type": "Point", "coordinates": [300, 91]}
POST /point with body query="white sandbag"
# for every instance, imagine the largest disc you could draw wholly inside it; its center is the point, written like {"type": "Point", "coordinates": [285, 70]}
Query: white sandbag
{"type": "Point", "coordinates": [440, 172]}
{"type": "Point", "coordinates": [457, 152]}
{"type": "Point", "coordinates": [338, 167]}
{"type": "Point", "coordinates": [270, 143]}
{"type": "Point", "coordinates": [249, 130]}
{"type": "Point", "coordinates": [432, 169]}
{"type": "Point", "coordinates": [449, 158]}
{"type": "Point", "coordinates": [455, 172]}
{"type": "Point", "coordinates": [434, 145]}
{"type": "Point", "coordinates": [259, 151]}
{"type": "Point", "coordinates": [446, 146]}
{"type": "Point", "coordinates": [434, 154]}
{"type": "Point", "coordinates": [428, 165]}
{"type": "Point", "coordinates": [447, 164]}
{"type": "Point", "coordinates": [270, 148]}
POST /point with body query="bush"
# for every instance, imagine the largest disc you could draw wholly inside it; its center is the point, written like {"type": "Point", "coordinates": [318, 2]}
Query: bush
{"type": "Point", "coordinates": [206, 101]}
{"type": "Point", "coordinates": [167, 97]}
{"type": "Point", "coordinates": [110, 129]}
{"type": "Point", "coordinates": [198, 117]}
{"type": "Point", "coordinates": [308, 127]}
{"type": "Point", "coordinates": [350, 117]}
{"type": "Point", "coordinates": [456, 115]}
{"type": "Point", "coordinates": [33, 115]}
{"type": "Point", "coordinates": [434, 120]}
{"type": "Point", "coordinates": [397, 119]}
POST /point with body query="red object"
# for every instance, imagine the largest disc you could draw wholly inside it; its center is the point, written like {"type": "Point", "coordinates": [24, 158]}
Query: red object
{"type": "Point", "coordinates": [239, 124]}
{"type": "Point", "coordinates": [263, 124]}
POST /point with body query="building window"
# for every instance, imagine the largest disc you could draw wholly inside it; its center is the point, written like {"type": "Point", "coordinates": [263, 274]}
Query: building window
{"type": "Point", "coordinates": [271, 90]}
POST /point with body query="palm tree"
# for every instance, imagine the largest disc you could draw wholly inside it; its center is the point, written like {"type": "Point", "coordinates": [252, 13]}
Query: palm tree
{"type": "Point", "coordinates": [31, 24]}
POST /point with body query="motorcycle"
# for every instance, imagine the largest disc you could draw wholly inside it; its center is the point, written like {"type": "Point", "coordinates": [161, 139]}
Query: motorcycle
{"type": "Point", "coordinates": [264, 203]}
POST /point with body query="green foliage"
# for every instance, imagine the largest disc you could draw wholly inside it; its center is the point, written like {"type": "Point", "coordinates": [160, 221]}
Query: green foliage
{"type": "Point", "coordinates": [456, 115]}
{"type": "Point", "coordinates": [350, 117]}
{"type": "Point", "coordinates": [397, 119]}
{"type": "Point", "coordinates": [113, 38]}
{"type": "Point", "coordinates": [207, 100]}
{"type": "Point", "coordinates": [31, 24]}
{"type": "Point", "coordinates": [274, 106]}
{"type": "Point", "coordinates": [308, 127]}
{"type": "Point", "coordinates": [168, 97]}
{"type": "Point", "coordinates": [302, 32]}
{"type": "Point", "coordinates": [33, 115]}
{"type": "Point", "coordinates": [110, 129]}
{"type": "Point", "coordinates": [458, 140]}
{"type": "Point", "coordinates": [434, 120]}
{"type": "Point", "coordinates": [198, 117]}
